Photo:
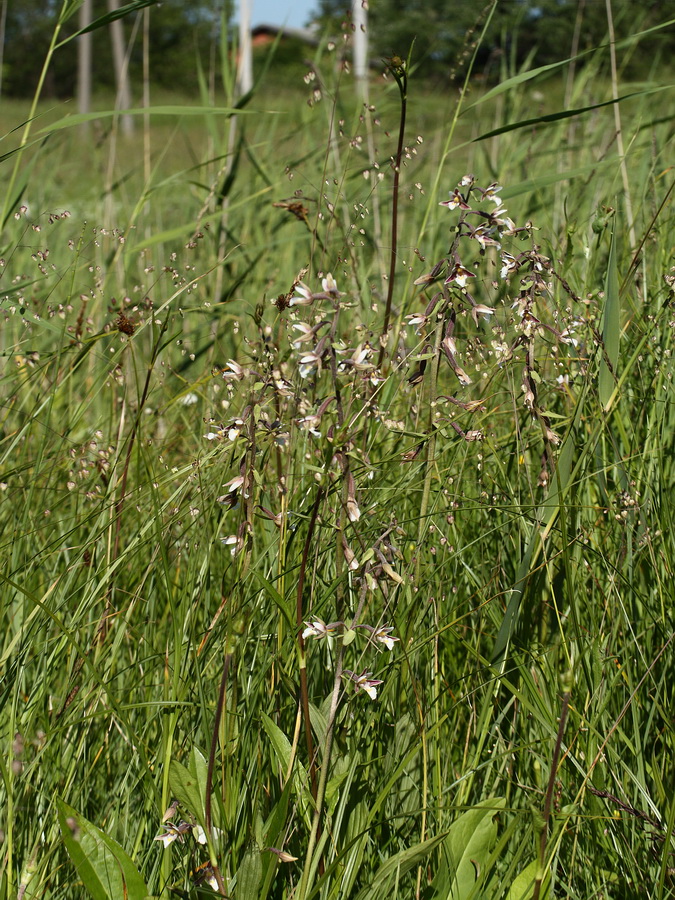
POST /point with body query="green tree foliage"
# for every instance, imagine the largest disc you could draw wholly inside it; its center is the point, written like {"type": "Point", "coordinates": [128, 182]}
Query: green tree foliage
{"type": "Point", "coordinates": [445, 31]}
{"type": "Point", "coordinates": [179, 33]}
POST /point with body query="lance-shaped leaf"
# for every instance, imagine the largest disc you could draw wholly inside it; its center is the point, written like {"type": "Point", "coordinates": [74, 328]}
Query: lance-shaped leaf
{"type": "Point", "coordinates": [106, 870]}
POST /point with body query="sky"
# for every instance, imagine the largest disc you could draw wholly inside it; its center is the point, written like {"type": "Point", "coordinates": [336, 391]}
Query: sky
{"type": "Point", "coordinates": [293, 13]}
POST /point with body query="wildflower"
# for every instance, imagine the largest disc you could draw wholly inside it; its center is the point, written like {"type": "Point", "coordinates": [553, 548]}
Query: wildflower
{"type": "Point", "coordinates": [283, 387]}
{"type": "Point", "coordinates": [528, 391]}
{"type": "Point", "coordinates": [551, 436]}
{"type": "Point", "coordinates": [170, 812]}
{"type": "Point", "coordinates": [232, 431]}
{"type": "Point", "coordinates": [277, 518]}
{"type": "Point", "coordinates": [310, 423]}
{"type": "Point", "coordinates": [173, 833]}
{"type": "Point", "coordinates": [364, 682]}
{"type": "Point", "coordinates": [234, 484]}
{"type": "Point", "coordinates": [358, 360]}
{"type": "Point", "coordinates": [567, 337]}
{"type": "Point", "coordinates": [200, 835]}
{"type": "Point", "coordinates": [417, 321]}
{"type": "Point", "coordinates": [448, 346]}
{"type": "Point", "coordinates": [508, 227]}
{"type": "Point", "coordinates": [350, 556]}
{"type": "Point", "coordinates": [431, 276]}
{"type": "Point", "coordinates": [302, 297]}
{"type": "Point", "coordinates": [309, 364]}
{"type": "Point", "coordinates": [479, 309]}
{"type": "Point", "coordinates": [483, 234]}
{"type": "Point", "coordinates": [307, 333]}
{"type": "Point", "coordinates": [190, 399]}
{"type": "Point", "coordinates": [456, 201]}
{"type": "Point", "coordinates": [459, 275]}
{"type": "Point", "coordinates": [382, 634]}
{"type": "Point", "coordinates": [318, 629]}
{"type": "Point", "coordinates": [490, 193]}
{"type": "Point", "coordinates": [330, 287]}
{"type": "Point", "coordinates": [506, 224]}
{"type": "Point", "coordinates": [353, 511]}
{"type": "Point", "coordinates": [204, 874]}
{"type": "Point", "coordinates": [235, 542]}
{"type": "Point", "coordinates": [509, 264]}
{"type": "Point", "coordinates": [283, 856]}
{"type": "Point", "coordinates": [235, 370]}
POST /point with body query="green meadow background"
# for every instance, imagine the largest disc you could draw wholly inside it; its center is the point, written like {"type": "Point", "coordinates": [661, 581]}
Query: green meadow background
{"type": "Point", "coordinates": [521, 742]}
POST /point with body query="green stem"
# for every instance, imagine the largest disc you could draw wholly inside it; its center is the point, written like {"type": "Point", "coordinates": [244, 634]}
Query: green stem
{"type": "Point", "coordinates": [431, 443]}
{"type": "Point", "coordinates": [208, 819]}
{"type": "Point", "coordinates": [325, 762]}
{"type": "Point", "coordinates": [304, 692]}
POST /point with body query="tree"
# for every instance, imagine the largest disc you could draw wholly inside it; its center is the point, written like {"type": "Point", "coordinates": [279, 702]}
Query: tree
{"type": "Point", "coordinates": [444, 31]}
{"type": "Point", "coordinates": [84, 60]}
{"type": "Point", "coordinates": [179, 32]}
{"type": "Point", "coordinates": [121, 57]}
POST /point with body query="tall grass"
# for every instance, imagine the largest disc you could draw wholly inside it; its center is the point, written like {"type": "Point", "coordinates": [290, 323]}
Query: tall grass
{"type": "Point", "coordinates": [209, 529]}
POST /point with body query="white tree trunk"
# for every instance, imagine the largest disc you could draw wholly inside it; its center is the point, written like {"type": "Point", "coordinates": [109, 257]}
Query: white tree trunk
{"type": "Point", "coordinates": [360, 20]}
{"type": "Point", "coordinates": [245, 64]}
{"type": "Point", "coordinates": [120, 64]}
{"type": "Point", "coordinates": [84, 61]}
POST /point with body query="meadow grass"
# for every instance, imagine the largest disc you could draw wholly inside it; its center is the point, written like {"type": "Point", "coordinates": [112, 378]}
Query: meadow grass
{"type": "Point", "coordinates": [208, 529]}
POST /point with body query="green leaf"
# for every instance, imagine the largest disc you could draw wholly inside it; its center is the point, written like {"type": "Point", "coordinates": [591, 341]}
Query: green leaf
{"type": "Point", "coordinates": [107, 872]}
{"type": "Point", "coordinates": [339, 773]}
{"type": "Point", "coordinates": [541, 181]}
{"type": "Point", "coordinates": [523, 884]}
{"type": "Point", "coordinates": [280, 743]}
{"type": "Point", "coordinates": [188, 785]}
{"type": "Point", "coordinates": [566, 113]}
{"type": "Point", "coordinates": [611, 328]}
{"type": "Point", "coordinates": [283, 752]}
{"type": "Point", "coordinates": [274, 829]}
{"type": "Point", "coordinates": [398, 865]}
{"type": "Point", "coordinates": [529, 74]}
{"type": "Point", "coordinates": [175, 110]}
{"type": "Point", "coordinates": [274, 595]}
{"type": "Point", "coordinates": [109, 17]}
{"type": "Point", "coordinates": [468, 846]}
{"type": "Point", "coordinates": [249, 875]}
{"type": "Point", "coordinates": [348, 636]}
{"type": "Point", "coordinates": [319, 722]}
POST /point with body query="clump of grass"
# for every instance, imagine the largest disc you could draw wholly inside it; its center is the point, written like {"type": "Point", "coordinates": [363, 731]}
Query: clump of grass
{"type": "Point", "coordinates": [330, 572]}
